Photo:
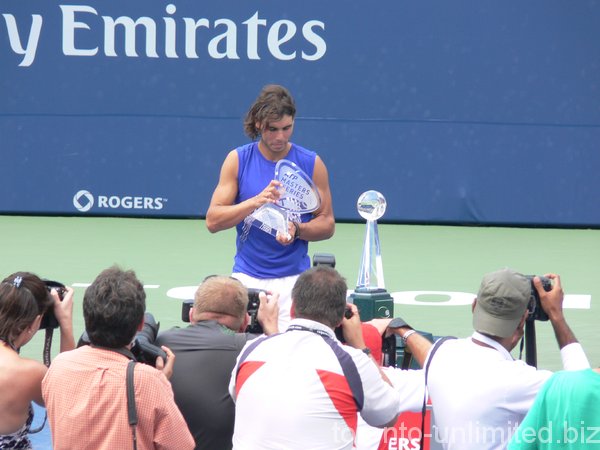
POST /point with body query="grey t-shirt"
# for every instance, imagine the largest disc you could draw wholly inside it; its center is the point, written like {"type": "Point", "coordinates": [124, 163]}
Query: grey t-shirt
{"type": "Point", "coordinates": [205, 356]}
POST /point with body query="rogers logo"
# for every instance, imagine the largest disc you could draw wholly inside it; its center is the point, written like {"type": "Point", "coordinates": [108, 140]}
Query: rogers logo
{"type": "Point", "coordinates": [84, 201]}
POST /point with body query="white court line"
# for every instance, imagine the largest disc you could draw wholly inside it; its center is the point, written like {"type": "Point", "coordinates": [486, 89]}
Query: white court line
{"type": "Point", "coordinates": [571, 301]}
{"type": "Point", "coordinates": [182, 292]}
{"type": "Point", "coordinates": [146, 286]}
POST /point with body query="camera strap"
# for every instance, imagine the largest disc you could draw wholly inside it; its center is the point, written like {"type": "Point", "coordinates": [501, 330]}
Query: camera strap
{"type": "Point", "coordinates": [437, 344]}
{"type": "Point", "coordinates": [131, 409]}
{"type": "Point", "coordinates": [348, 366]}
{"type": "Point", "coordinates": [46, 352]}
{"type": "Point", "coordinates": [47, 346]}
{"type": "Point", "coordinates": [529, 342]}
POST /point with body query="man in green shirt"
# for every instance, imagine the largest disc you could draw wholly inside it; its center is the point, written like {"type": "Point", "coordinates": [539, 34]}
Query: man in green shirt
{"type": "Point", "coordinates": [565, 414]}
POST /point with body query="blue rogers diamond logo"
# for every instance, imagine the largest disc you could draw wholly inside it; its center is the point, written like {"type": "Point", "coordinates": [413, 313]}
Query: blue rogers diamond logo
{"type": "Point", "coordinates": [83, 201]}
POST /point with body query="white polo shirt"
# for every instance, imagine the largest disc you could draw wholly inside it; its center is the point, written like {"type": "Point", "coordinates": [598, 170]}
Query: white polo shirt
{"type": "Point", "coordinates": [481, 394]}
{"type": "Point", "coordinates": [302, 389]}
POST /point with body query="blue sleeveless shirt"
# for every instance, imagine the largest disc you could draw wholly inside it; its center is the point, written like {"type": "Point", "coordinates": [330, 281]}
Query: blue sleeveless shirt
{"type": "Point", "coordinates": [260, 255]}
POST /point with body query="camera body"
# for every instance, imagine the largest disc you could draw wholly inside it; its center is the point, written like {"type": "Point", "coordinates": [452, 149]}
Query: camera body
{"type": "Point", "coordinates": [186, 307]}
{"type": "Point", "coordinates": [253, 327]}
{"type": "Point", "coordinates": [324, 259]}
{"type": "Point", "coordinates": [536, 312]}
{"type": "Point", "coordinates": [388, 344]}
{"type": "Point", "coordinates": [143, 347]}
{"type": "Point", "coordinates": [49, 319]}
{"type": "Point", "coordinates": [339, 333]}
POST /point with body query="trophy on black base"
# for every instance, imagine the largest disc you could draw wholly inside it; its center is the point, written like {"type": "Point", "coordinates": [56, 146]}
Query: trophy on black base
{"type": "Point", "coordinates": [370, 296]}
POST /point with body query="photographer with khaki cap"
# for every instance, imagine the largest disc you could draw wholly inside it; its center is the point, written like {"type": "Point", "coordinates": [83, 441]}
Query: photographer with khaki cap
{"type": "Point", "coordinates": [479, 393]}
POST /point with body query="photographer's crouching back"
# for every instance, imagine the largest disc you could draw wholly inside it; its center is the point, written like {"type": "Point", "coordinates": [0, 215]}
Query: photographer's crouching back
{"type": "Point", "coordinates": [206, 353]}
{"type": "Point", "coordinates": [86, 389]}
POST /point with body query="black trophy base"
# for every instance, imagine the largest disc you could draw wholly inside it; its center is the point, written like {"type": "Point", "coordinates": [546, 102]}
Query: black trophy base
{"type": "Point", "coordinates": [372, 303]}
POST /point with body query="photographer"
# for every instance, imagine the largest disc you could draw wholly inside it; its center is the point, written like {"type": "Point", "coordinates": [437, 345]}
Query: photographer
{"type": "Point", "coordinates": [479, 393]}
{"type": "Point", "coordinates": [206, 352]}
{"type": "Point", "coordinates": [24, 301]}
{"type": "Point", "coordinates": [86, 390]}
{"type": "Point", "coordinates": [303, 389]}
{"type": "Point", "coordinates": [409, 383]}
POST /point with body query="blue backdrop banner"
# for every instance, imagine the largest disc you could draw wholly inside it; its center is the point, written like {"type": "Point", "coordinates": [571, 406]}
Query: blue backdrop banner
{"type": "Point", "coordinates": [463, 111]}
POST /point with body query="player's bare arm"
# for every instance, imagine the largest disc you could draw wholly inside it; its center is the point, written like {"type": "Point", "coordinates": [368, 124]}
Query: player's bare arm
{"type": "Point", "coordinates": [222, 213]}
{"type": "Point", "coordinates": [322, 225]}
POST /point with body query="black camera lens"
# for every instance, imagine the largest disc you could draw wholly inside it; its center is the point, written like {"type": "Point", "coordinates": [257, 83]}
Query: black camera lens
{"type": "Point", "coordinates": [254, 326]}
{"type": "Point", "coordinates": [348, 312]}
{"type": "Point", "coordinates": [60, 288]}
{"type": "Point", "coordinates": [186, 307]}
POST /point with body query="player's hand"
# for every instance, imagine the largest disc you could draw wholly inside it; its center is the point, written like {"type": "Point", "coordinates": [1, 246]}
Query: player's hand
{"type": "Point", "coordinates": [270, 194]}
{"type": "Point", "coordinates": [287, 238]}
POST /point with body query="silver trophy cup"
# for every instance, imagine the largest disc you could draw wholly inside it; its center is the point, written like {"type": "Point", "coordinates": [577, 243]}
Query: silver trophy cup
{"type": "Point", "coordinates": [370, 296]}
{"type": "Point", "coordinates": [371, 206]}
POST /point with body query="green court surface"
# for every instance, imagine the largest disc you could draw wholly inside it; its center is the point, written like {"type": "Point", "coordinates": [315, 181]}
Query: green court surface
{"type": "Point", "coordinates": [169, 253]}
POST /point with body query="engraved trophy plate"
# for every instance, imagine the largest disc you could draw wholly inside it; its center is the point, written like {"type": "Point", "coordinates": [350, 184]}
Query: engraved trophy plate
{"type": "Point", "coordinates": [299, 195]}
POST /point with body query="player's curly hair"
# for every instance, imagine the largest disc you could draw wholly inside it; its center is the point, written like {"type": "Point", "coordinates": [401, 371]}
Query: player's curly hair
{"type": "Point", "coordinates": [273, 102]}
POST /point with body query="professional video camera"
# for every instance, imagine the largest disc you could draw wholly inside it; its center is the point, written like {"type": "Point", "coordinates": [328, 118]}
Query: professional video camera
{"type": "Point", "coordinates": [253, 327]}
{"type": "Point", "coordinates": [143, 347]}
{"type": "Point", "coordinates": [49, 319]}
